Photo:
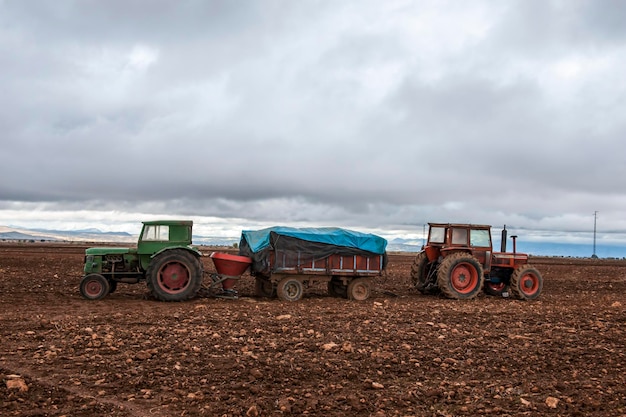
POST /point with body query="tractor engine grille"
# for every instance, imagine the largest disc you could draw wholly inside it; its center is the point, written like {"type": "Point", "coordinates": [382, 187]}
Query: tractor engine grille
{"type": "Point", "coordinates": [113, 263]}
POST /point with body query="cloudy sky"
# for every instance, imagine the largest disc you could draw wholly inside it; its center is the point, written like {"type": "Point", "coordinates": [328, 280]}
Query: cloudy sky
{"type": "Point", "coordinates": [371, 115]}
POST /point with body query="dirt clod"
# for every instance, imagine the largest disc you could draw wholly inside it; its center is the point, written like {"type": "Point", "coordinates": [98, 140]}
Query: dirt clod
{"type": "Point", "coordinates": [402, 355]}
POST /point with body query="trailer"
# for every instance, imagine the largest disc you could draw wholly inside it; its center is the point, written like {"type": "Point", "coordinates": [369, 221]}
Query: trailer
{"type": "Point", "coordinates": [283, 260]}
{"type": "Point", "coordinates": [286, 260]}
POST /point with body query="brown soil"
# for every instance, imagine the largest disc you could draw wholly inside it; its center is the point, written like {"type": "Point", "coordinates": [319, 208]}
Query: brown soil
{"type": "Point", "coordinates": [397, 353]}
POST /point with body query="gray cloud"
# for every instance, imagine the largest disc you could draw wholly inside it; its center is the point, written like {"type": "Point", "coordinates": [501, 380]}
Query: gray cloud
{"type": "Point", "coordinates": [361, 113]}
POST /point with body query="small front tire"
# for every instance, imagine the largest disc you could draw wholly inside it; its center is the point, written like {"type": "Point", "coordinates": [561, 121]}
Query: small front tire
{"type": "Point", "coordinates": [526, 283]}
{"type": "Point", "coordinates": [94, 287]}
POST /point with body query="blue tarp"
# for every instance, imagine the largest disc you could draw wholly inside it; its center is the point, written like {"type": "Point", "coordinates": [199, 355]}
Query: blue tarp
{"type": "Point", "coordinates": [260, 239]}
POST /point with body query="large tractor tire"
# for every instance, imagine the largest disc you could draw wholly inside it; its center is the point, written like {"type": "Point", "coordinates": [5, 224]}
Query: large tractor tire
{"type": "Point", "coordinates": [460, 276]}
{"type": "Point", "coordinates": [174, 275]}
{"type": "Point", "coordinates": [265, 288]}
{"type": "Point", "coordinates": [420, 272]}
{"type": "Point", "coordinates": [526, 283]}
{"type": "Point", "coordinates": [94, 287]}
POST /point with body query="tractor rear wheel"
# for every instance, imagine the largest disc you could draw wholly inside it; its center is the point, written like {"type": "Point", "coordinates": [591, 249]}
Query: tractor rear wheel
{"type": "Point", "coordinates": [421, 271]}
{"type": "Point", "coordinates": [359, 289]}
{"type": "Point", "coordinates": [263, 287]}
{"type": "Point", "coordinates": [460, 276]}
{"type": "Point", "coordinates": [526, 283]}
{"type": "Point", "coordinates": [290, 289]}
{"type": "Point", "coordinates": [174, 275]}
{"type": "Point", "coordinates": [94, 287]}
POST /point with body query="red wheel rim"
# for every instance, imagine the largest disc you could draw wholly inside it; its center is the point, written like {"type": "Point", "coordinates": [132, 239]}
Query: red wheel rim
{"type": "Point", "coordinates": [94, 288]}
{"type": "Point", "coordinates": [499, 286]}
{"type": "Point", "coordinates": [464, 278]}
{"type": "Point", "coordinates": [173, 277]}
{"type": "Point", "coordinates": [529, 283]}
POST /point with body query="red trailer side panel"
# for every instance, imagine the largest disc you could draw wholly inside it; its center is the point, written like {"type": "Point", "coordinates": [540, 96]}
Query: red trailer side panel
{"type": "Point", "coordinates": [353, 265]}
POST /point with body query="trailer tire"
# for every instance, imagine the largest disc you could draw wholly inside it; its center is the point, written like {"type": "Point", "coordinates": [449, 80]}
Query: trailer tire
{"type": "Point", "coordinates": [94, 287]}
{"type": "Point", "coordinates": [460, 276]}
{"type": "Point", "coordinates": [264, 288]}
{"type": "Point", "coordinates": [174, 275]}
{"type": "Point", "coordinates": [526, 283]}
{"type": "Point", "coordinates": [290, 289]}
{"type": "Point", "coordinates": [359, 289]}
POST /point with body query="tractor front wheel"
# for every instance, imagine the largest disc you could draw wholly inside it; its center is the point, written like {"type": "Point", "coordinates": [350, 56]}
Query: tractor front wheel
{"type": "Point", "coordinates": [94, 287]}
{"type": "Point", "coordinates": [290, 289]}
{"type": "Point", "coordinates": [174, 275]}
{"type": "Point", "coordinates": [460, 276]}
{"type": "Point", "coordinates": [526, 283]}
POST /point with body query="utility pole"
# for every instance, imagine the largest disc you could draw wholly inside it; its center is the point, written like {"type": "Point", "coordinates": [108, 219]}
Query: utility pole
{"type": "Point", "coordinates": [595, 219]}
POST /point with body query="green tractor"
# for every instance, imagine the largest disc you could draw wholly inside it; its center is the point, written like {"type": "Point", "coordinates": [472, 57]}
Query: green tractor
{"type": "Point", "coordinates": [164, 258]}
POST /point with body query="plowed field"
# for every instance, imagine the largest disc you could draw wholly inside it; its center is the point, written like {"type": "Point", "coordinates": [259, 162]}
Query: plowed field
{"type": "Point", "coordinates": [397, 353]}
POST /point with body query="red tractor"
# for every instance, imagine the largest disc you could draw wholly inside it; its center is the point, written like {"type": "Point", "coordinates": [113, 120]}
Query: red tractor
{"type": "Point", "coordinates": [458, 261]}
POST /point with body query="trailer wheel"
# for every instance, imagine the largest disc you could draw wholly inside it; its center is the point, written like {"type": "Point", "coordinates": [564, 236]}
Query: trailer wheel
{"type": "Point", "coordinates": [174, 275]}
{"type": "Point", "coordinates": [526, 283]}
{"type": "Point", "coordinates": [336, 288]}
{"type": "Point", "coordinates": [460, 276]}
{"type": "Point", "coordinates": [359, 289]}
{"type": "Point", "coordinates": [264, 288]}
{"type": "Point", "coordinates": [290, 289]}
{"type": "Point", "coordinates": [421, 271]}
{"type": "Point", "coordinates": [94, 287]}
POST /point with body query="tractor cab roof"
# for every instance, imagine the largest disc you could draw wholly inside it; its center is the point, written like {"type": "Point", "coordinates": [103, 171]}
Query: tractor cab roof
{"type": "Point", "coordinates": [461, 225]}
{"type": "Point", "coordinates": [169, 222]}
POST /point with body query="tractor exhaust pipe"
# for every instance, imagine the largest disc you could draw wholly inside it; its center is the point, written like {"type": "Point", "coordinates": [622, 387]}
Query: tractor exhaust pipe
{"type": "Point", "coordinates": [503, 240]}
{"type": "Point", "coordinates": [514, 244]}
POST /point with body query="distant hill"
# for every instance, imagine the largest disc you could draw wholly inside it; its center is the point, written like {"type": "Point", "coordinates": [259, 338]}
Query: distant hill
{"type": "Point", "coordinates": [9, 233]}
{"type": "Point", "coordinates": [90, 235]}
{"type": "Point", "coordinates": [13, 235]}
